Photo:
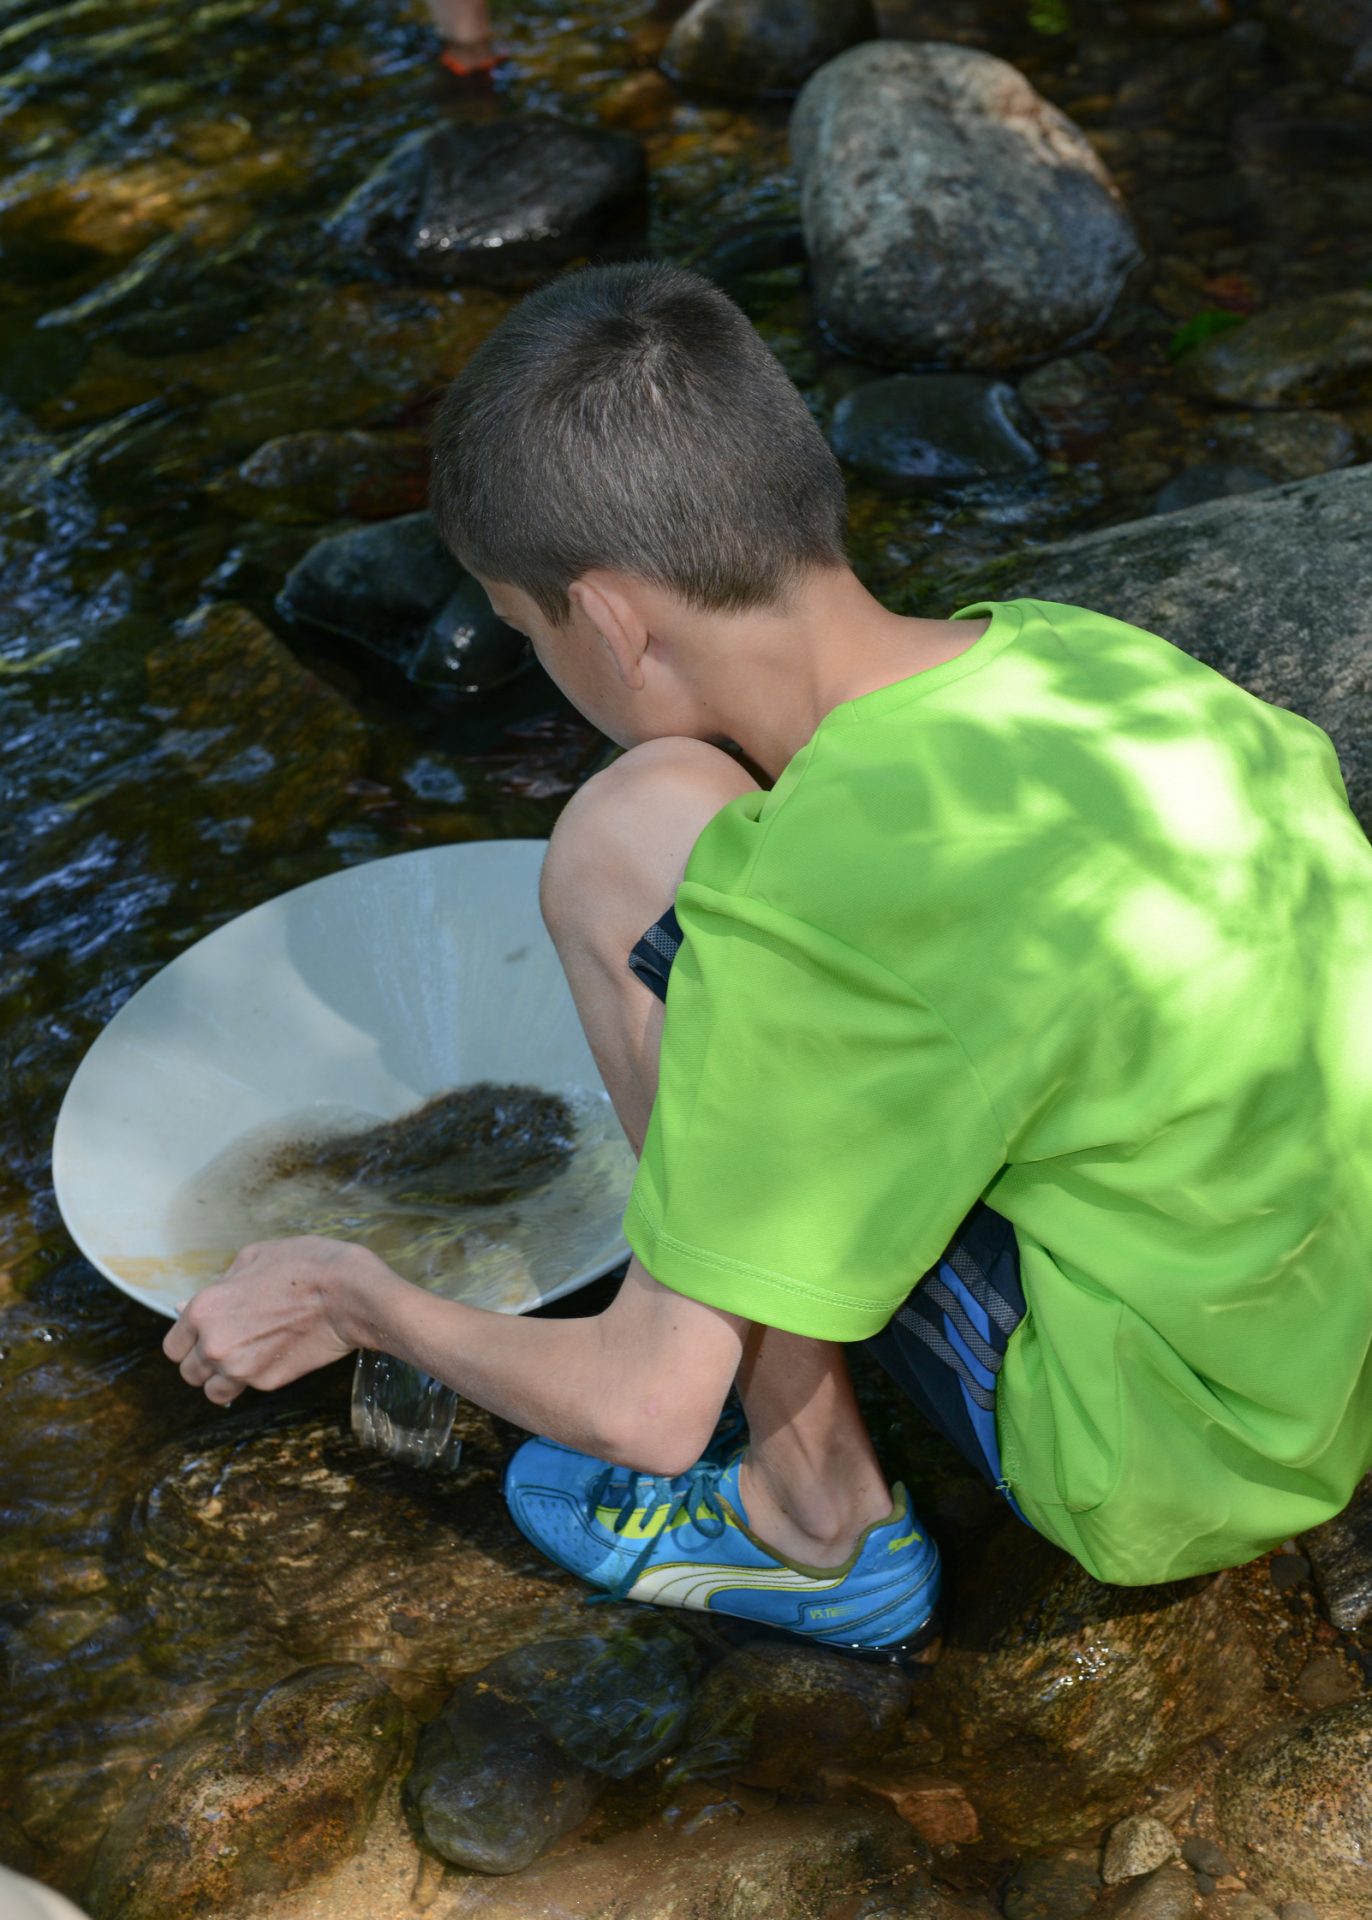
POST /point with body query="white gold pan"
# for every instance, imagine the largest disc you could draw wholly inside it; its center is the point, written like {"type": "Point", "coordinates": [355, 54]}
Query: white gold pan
{"type": "Point", "coordinates": [370, 990]}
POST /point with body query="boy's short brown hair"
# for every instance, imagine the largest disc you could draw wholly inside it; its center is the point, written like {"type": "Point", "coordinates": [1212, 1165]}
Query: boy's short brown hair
{"type": "Point", "coordinates": [630, 417]}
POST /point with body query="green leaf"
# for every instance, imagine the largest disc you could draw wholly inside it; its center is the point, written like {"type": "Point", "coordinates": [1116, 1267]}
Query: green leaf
{"type": "Point", "coordinates": [1050, 16]}
{"type": "Point", "coordinates": [1201, 327]}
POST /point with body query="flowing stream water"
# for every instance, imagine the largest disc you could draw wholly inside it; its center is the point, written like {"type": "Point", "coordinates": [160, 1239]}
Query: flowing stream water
{"type": "Point", "coordinates": [167, 306]}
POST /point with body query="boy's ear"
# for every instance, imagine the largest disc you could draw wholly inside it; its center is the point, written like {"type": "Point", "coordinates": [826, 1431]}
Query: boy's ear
{"type": "Point", "coordinates": [599, 597]}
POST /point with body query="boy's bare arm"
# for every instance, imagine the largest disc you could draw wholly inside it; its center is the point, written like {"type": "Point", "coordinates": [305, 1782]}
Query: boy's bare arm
{"type": "Point", "coordinates": [641, 1383]}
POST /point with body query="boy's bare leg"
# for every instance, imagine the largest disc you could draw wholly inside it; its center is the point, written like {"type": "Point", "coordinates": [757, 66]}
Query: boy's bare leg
{"type": "Point", "coordinates": [810, 1481]}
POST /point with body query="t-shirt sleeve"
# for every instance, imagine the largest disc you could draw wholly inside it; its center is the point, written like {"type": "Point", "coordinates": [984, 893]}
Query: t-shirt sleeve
{"type": "Point", "coordinates": [818, 1133]}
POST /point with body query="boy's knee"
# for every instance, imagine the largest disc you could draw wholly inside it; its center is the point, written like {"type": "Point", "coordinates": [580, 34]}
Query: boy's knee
{"type": "Point", "coordinates": [627, 833]}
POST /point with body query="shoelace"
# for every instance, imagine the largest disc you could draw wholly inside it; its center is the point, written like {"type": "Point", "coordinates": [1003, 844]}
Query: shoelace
{"type": "Point", "coordinates": [698, 1494]}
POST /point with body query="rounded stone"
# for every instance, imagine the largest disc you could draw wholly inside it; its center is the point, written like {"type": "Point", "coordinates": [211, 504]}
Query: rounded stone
{"type": "Point", "coordinates": [1136, 1846]}
{"type": "Point", "coordinates": [920, 432]}
{"type": "Point", "coordinates": [757, 47]}
{"type": "Point", "coordinates": [1295, 1811]}
{"type": "Point", "coordinates": [953, 216]}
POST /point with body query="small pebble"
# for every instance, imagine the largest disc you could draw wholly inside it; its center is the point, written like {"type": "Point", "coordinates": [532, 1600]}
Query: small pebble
{"type": "Point", "coordinates": [1206, 1883]}
{"type": "Point", "coordinates": [1206, 1856]}
{"type": "Point", "coordinates": [1299, 1910]}
{"type": "Point", "coordinates": [1135, 1846]}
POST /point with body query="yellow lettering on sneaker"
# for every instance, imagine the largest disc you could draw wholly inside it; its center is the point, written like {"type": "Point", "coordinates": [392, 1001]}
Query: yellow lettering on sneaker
{"type": "Point", "coordinates": [644, 1523]}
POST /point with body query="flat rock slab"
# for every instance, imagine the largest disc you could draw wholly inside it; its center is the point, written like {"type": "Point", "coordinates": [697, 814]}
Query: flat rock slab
{"type": "Point", "coordinates": [1274, 589]}
{"type": "Point", "coordinates": [500, 204]}
{"type": "Point", "coordinates": [954, 217]}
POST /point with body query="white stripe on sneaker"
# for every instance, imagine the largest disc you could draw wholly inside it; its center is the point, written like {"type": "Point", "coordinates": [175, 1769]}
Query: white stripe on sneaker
{"type": "Point", "coordinates": [680, 1583]}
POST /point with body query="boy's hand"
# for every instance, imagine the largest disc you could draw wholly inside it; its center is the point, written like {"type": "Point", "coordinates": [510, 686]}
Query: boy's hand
{"type": "Point", "coordinates": [281, 1310]}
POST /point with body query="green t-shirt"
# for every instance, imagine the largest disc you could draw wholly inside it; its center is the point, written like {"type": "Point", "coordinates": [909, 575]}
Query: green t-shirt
{"type": "Point", "coordinates": [1073, 924]}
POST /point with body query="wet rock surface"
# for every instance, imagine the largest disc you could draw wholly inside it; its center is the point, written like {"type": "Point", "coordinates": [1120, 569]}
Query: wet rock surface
{"type": "Point", "coordinates": [1055, 1886]}
{"type": "Point", "coordinates": [381, 585]}
{"type": "Point", "coordinates": [1295, 1811]}
{"type": "Point", "coordinates": [396, 590]}
{"type": "Point", "coordinates": [262, 1803]}
{"type": "Point", "coordinates": [248, 722]}
{"type": "Point", "coordinates": [1024, 1690]}
{"type": "Point", "coordinates": [785, 1863]}
{"type": "Point", "coordinates": [751, 47]}
{"type": "Point", "coordinates": [522, 1750]}
{"type": "Point", "coordinates": [1340, 1553]}
{"type": "Point", "coordinates": [312, 476]}
{"type": "Point", "coordinates": [1169, 1893]}
{"type": "Point", "coordinates": [1303, 552]}
{"type": "Point", "coordinates": [952, 215]}
{"type": "Point", "coordinates": [772, 1715]}
{"type": "Point", "coordinates": [466, 649]}
{"type": "Point", "coordinates": [1288, 446]}
{"type": "Point", "coordinates": [412, 1576]}
{"type": "Point", "coordinates": [926, 431]}
{"type": "Point", "coordinates": [500, 203]}
{"type": "Point", "coordinates": [1305, 353]}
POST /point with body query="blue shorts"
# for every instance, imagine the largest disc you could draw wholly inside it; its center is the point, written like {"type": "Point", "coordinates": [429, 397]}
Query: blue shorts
{"type": "Point", "coordinates": [944, 1346]}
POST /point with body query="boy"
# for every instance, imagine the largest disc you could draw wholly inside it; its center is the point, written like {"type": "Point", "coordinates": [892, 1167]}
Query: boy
{"type": "Point", "coordinates": [1022, 1028]}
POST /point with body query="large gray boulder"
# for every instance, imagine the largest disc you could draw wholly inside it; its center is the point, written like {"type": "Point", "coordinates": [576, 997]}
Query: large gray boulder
{"type": "Point", "coordinates": [1273, 589]}
{"type": "Point", "coordinates": [953, 216]}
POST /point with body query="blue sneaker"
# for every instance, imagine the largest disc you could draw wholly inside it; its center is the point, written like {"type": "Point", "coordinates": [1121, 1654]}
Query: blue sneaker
{"type": "Point", "coordinates": [686, 1543]}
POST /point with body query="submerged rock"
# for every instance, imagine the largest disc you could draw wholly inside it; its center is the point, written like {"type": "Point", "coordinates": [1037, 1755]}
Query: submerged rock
{"type": "Point", "coordinates": [284, 1792]}
{"type": "Point", "coordinates": [953, 216]}
{"type": "Point", "coordinates": [418, 1581]}
{"type": "Point", "coordinates": [1340, 1554]}
{"type": "Point", "coordinates": [271, 745]}
{"type": "Point", "coordinates": [522, 1750]}
{"type": "Point", "coordinates": [500, 203]}
{"type": "Point", "coordinates": [1335, 23]}
{"type": "Point", "coordinates": [1168, 1893]}
{"type": "Point", "coordinates": [1295, 1811]}
{"type": "Point", "coordinates": [331, 476]}
{"type": "Point", "coordinates": [1302, 553]}
{"type": "Point", "coordinates": [787, 1863]}
{"type": "Point", "coordinates": [1209, 480]}
{"type": "Point", "coordinates": [380, 584]}
{"type": "Point", "coordinates": [1066, 1696]}
{"type": "Point", "coordinates": [397, 590]}
{"type": "Point", "coordinates": [1056, 1886]}
{"type": "Point", "coordinates": [774, 1716]}
{"type": "Point", "coordinates": [757, 47]}
{"type": "Point", "coordinates": [922, 431]}
{"type": "Point", "coordinates": [467, 649]}
{"type": "Point", "coordinates": [1289, 446]}
{"type": "Point", "coordinates": [1302, 353]}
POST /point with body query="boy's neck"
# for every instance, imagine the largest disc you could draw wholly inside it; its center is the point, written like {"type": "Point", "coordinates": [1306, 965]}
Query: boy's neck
{"type": "Point", "coordinates": [766, 678]}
